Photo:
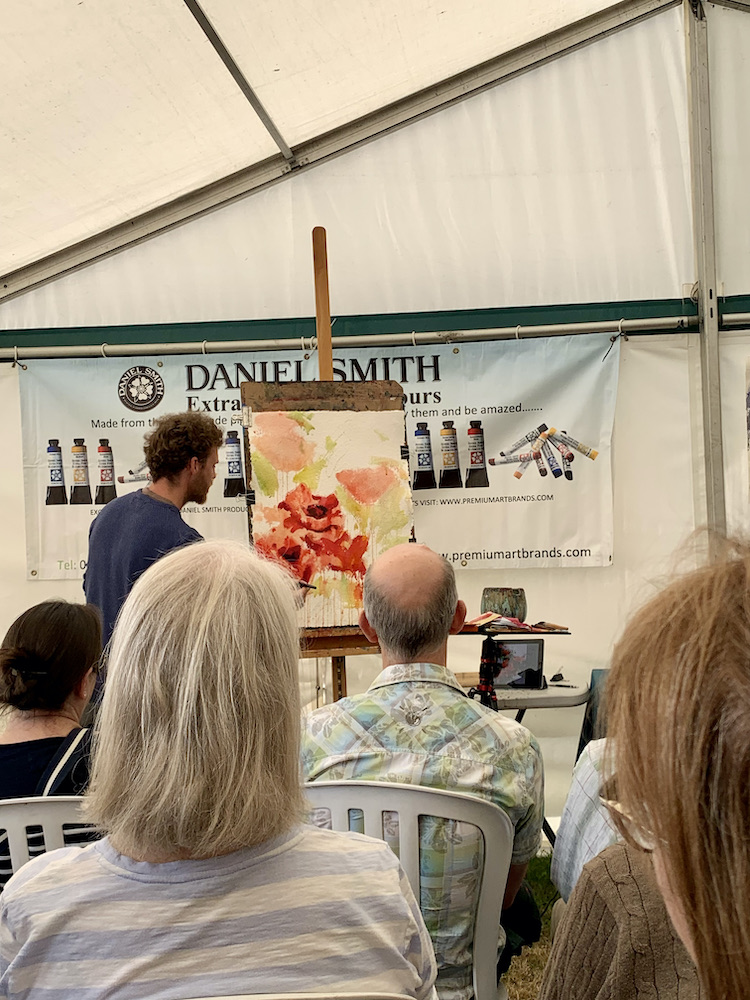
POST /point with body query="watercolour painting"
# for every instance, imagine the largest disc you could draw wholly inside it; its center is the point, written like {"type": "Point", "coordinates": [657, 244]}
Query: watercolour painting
{"type": "Point", "coordinates": [331, 494]}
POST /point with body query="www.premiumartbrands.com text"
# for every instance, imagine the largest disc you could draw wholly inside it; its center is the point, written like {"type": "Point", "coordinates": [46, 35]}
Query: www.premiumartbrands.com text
{"type": "Point", "coordinates": [481, 554]}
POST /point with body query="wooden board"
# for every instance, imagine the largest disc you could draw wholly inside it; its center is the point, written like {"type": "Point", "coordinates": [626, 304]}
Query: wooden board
{"type": "Point", "coordinates": [265, 397]}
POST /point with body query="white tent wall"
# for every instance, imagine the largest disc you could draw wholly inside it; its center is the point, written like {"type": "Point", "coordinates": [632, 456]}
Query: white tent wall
{"type": "Point", "coordinates": [729, 64]}
{"type": "Point", "coordinates": [653, 514]}
{"type": "Point", "coordinates": [569, 183]}
{"type": "Point", "coordinates": [735, 357]}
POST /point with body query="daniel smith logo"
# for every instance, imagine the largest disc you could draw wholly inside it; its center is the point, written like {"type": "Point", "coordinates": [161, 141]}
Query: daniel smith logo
{"type": "Point", "coordinates": [140, 388]}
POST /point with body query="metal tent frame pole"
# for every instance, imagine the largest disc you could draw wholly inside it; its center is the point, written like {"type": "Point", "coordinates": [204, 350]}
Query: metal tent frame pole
{"type": "Point", "coordinates": [704, 236]}
{"type": "Point", "coordinates": [632, 327]}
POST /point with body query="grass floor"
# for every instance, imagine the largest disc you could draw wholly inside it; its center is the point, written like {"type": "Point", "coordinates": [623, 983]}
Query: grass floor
{"type": "Point", "coordinates": [524, 978]}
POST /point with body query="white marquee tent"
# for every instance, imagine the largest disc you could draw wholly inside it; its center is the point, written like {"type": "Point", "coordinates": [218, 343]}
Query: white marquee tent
{"type": "Point", "coordinates": [531, 167]}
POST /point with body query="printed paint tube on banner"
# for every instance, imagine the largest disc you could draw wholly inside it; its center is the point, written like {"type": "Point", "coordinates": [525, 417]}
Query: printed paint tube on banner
{"type": "Point", "coordinates": [536, 447]}
{"type": "Point", "coordinates": [572, 443]}
{"type": "Point", "coordinates": [563, 448]}
{"type": "Point", "coordinates": [540, 464]}
{"type": "Point", "coordinates": [140, 474]}
{"type": "Point", "coordinates": [540, 431]}
{"type": "Point", "coordinates": [551, 460]}
{"type": "Point", "coordinates": [512, 459]}
{"type": "Point", "coordinates": [142, 478]}
{"type": "Point", "coordinates": [522, 468]}
{"type": "Point", "coordinates": [139, 468]}
{"type": "Point", "coordinates": [80, 491]}
{"type": "Point", "coordinates": [566, 468]}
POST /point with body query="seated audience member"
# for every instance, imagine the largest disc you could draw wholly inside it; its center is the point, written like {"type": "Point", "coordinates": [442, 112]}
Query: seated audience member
{"type": "Point", "coordinates": [678, 713]}
{"type": "Point", "coordinates": [48, 664]}
{"type": "Point", "coordinates": [416, 724]}
{"type": "Point", "coordinates": [616, 939]}
{"type": "Point", "coordinates": [585, 827]}
{"type": "Point", "coordinates": [206, 883]}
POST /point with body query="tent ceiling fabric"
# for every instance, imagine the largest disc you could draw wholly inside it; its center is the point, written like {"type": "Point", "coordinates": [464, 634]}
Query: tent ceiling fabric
{"type": "Point", "coordinates": [110, 108]}
{"type": "Point", "coordinates": [320, 64]}
{"type": "Point", "coordinates": [115, 107]}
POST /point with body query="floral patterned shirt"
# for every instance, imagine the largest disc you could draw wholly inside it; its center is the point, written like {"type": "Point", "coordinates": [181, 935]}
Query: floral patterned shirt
{"type": "Point", "coordinates": [416, 725]}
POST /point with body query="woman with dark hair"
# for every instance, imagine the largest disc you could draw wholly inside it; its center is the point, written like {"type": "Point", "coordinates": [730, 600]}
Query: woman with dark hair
{"type": "Point", "coordinates": [48, 664]}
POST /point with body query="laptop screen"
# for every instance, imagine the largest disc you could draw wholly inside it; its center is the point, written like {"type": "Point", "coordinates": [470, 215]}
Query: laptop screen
{"type": "Point", "coordinates": [519, 663]}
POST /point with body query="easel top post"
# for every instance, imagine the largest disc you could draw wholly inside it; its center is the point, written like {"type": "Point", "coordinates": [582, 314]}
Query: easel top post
{"type": "Point", "coordinates": [322, 305]}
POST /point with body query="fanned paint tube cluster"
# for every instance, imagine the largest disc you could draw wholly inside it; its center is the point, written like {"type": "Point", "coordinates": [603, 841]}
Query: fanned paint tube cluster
{"type": "Point", "coordinates": [542, 446]}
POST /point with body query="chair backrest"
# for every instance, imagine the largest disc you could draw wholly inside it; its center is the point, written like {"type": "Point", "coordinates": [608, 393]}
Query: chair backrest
{"type": "Point", "coordinates": [306, 996]}
{"type": "Point", "coordinates": [374, 798]}
{"type": "Point", "coordinates": [50, 812]}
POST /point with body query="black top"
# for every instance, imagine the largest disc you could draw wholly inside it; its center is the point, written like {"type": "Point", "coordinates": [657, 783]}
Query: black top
{"type": "Point", "coordinates": [23, 764]}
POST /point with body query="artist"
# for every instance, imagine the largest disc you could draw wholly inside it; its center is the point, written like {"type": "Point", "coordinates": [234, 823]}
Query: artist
{"type": "Point", "coordinates": [133, 531]}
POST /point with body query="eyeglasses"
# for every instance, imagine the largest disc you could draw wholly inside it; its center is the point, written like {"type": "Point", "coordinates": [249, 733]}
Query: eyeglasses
{"type": "Point", "coordinates": [643, 839]}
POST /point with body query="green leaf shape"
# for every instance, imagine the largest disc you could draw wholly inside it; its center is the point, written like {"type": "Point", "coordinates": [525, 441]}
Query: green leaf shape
{"type": "Point", "coordinates": [265, 475]}
{"type": "Point", "coordinates": [303, 419]}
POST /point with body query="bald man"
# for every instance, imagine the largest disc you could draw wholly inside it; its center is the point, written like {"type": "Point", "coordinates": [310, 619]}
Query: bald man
{"type": "Point", "coordinates": [416, 724]}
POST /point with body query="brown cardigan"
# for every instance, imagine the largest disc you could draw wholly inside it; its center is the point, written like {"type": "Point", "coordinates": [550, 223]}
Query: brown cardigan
{"type": "Point", "coordinates": [616, 941]}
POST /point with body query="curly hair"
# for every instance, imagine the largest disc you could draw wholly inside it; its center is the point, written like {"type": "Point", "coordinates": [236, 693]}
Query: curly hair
{"type": "Point", "coordinates": [175, 439]}
{"type": "Point", "coordinates": [46, 653]}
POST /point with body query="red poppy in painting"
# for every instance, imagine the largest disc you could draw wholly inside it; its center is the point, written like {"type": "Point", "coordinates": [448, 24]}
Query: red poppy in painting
{"type": "Point", "coordinates": [311, 537]}
{"type": "Point", "coordinates": [343, 554]}
{"type": "Point", "coordinates": [289, 549]}
{"type": "Point", "coordinates": [310, 512]}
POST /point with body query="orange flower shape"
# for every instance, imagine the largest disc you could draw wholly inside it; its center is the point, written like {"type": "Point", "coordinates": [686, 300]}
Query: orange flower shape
{"type": "Point", "coordinates": [368, 485]}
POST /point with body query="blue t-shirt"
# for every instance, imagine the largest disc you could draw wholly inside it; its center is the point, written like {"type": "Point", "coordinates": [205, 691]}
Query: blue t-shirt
{"type": "Point", "coordinates": [128, 535]}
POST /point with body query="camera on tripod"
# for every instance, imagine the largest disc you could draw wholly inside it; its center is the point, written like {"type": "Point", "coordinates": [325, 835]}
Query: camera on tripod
{"type": "Point", "coordinates": [494, 658]}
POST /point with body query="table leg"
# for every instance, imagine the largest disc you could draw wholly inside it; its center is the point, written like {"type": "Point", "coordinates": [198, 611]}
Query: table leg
{"type": "Point", "coordinates": [338, 669]}
{"type": "Point", "coordinates": [549, 833]}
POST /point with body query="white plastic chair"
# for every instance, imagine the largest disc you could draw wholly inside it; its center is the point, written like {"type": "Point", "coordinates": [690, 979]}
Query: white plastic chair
{"type": "Point", "coordinates": [307, 996]}
{"type": "Point", "coordinates": [50, 812]}
{"type": "Point", "coordinates": [410, 802]}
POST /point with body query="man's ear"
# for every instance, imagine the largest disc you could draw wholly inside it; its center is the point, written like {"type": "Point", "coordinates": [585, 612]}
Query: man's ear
{"type": "Point", "coordinates": [367, 629]}
{"type": "Point", "coordinates": [458, 618]}
{"type": "Point", "coordinates": [193, 465]}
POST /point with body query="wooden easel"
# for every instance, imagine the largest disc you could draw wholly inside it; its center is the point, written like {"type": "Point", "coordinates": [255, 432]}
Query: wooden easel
{"type": "Point", "coordinates": [336, 642]}
{"type": "Point", "coordinates": [333, 642]}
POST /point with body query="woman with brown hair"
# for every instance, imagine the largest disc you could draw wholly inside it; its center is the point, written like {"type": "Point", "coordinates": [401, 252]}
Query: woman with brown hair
{"type": "Point", "coordinates": [678, 716]}
{"type": "Point", "coordinates": [678, 704]}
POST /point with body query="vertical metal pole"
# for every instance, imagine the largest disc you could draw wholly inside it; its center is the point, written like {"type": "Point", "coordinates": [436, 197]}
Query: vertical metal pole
{"type": "Point", "coordinates": [704, 230]}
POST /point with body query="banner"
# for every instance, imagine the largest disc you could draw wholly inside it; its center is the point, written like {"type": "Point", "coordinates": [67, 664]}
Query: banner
{"type": "Point", "coordinates": [540, 410]}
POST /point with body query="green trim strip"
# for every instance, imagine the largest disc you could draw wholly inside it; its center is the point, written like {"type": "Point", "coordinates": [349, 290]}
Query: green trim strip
{"type": "Point", "coordinates": [734, 304]}
{"type": "Point", "coordinates": [345, 326]}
